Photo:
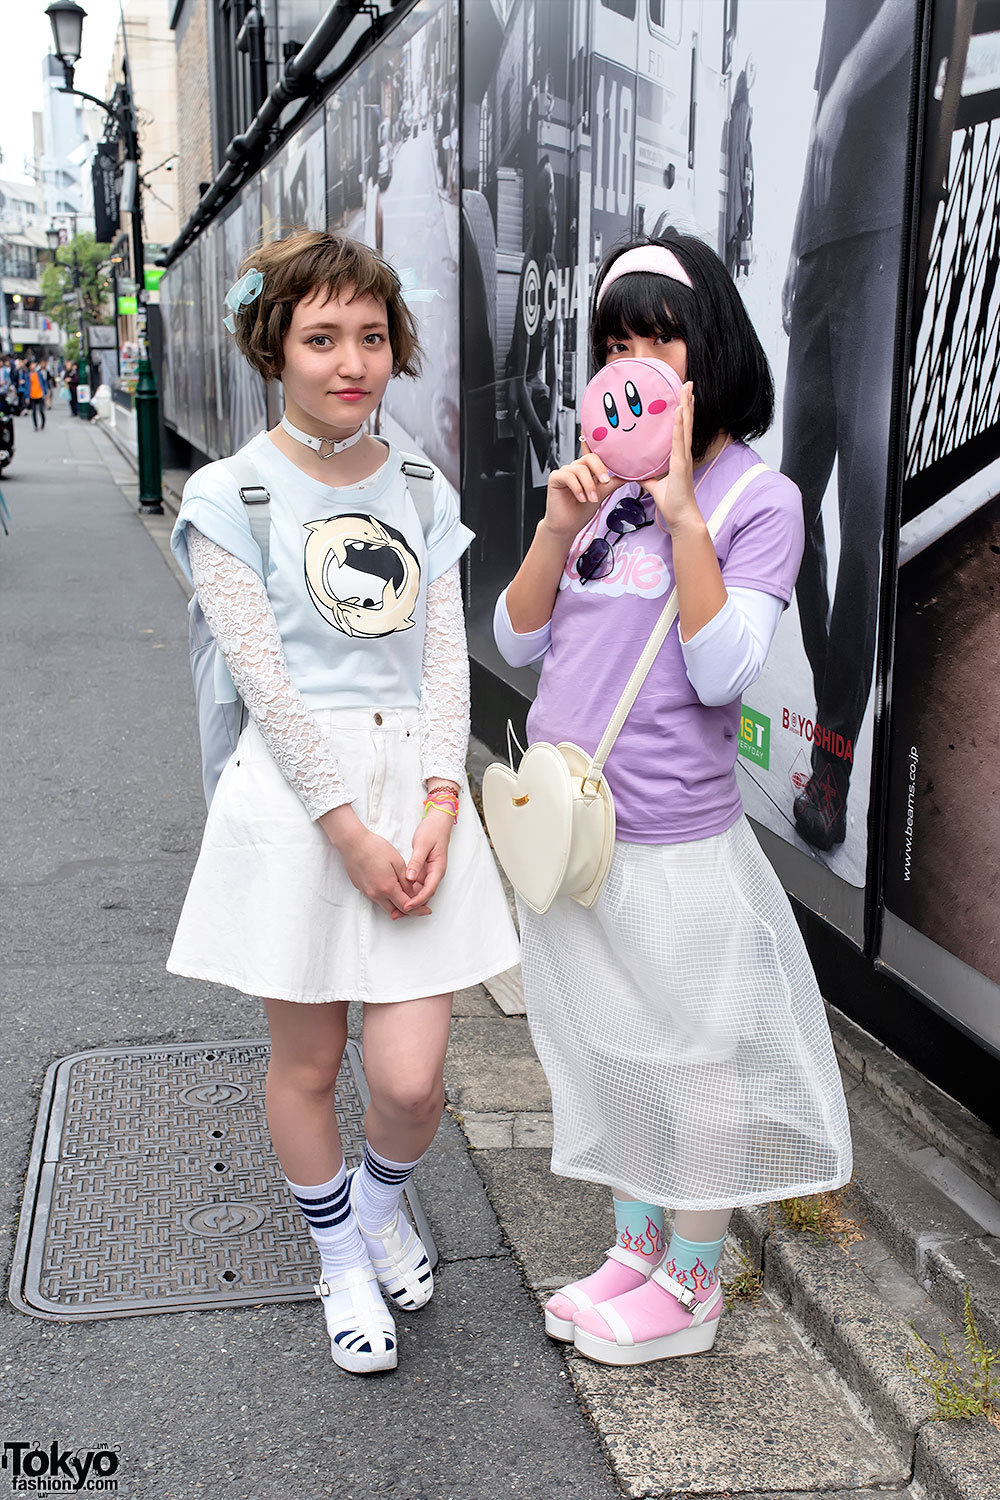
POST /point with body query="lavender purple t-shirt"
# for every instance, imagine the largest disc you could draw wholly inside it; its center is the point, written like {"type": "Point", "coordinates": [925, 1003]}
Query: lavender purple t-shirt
{"type": "Point", "coordinates": [672, 769]}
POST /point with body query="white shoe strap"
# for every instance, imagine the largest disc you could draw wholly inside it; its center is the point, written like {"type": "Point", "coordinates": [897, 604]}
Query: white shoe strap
{"type": "Point", "coordinates": [617, 1324]}
{"type": "Point", "coordinates": [579, 1298]}
{"type": "Point", "coordinates": [630, 1258]}
{"type": "Point", "coordinates": [699, 1310]}
{"type": "Point", "coordinates": [353, 1277]}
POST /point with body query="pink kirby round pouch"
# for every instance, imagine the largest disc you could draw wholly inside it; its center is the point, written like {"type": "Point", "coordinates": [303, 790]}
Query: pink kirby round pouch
{"type": "Point", "coordinates": [627, 416]}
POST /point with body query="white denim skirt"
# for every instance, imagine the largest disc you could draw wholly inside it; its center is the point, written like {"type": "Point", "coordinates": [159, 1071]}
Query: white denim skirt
{"type": "Point", "coordinates": [270, 909]}
{"type": "Point", "coordinates": [682, 1031]}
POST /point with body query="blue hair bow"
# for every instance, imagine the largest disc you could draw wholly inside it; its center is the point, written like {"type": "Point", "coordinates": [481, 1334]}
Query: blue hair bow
{"type": "Point", "coordinates": [241, 294]}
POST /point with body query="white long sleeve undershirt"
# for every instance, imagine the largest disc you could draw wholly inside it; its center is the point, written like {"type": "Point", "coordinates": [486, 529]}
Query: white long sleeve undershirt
{"type": "Point", "coordinates": [239, 614]}
{"type": "Point", "coordinates": [722, 660]}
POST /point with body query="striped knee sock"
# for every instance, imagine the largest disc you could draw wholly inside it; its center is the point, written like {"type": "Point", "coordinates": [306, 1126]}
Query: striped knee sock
{"type": "Point", "coordinates": [380, 1183]}
{"type": "Point", "coordinates": [331, 1224]}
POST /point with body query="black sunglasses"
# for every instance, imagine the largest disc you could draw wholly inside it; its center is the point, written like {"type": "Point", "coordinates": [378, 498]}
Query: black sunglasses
{"type": "Point", "coordinates": [597, 560]}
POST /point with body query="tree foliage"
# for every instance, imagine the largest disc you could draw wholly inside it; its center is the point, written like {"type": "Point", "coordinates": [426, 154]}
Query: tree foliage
{"type": "Point", "coordinates": [81, 260]}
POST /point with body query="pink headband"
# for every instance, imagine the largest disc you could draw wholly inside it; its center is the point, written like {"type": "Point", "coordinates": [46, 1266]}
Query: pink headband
{"type": "Point", "coordinates": [655, 258]}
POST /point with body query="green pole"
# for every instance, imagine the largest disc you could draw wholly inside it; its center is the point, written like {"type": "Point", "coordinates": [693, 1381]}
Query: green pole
{"type": "Point", "coordinates": [147, 421]}
{"type": "Point", "coordinates": [147, 400]}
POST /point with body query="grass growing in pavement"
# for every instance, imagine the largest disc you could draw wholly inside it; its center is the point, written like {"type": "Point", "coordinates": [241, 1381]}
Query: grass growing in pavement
{"type": "Point", "coordinates": [962, 1391]}
{"type": "Point", "coordinates": [746, 1284]}
{"type": "Point", "coordinates": [823, 1216]}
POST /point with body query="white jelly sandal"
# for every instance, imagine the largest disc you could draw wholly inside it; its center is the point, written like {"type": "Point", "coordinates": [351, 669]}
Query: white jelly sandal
{"type": "Point", "coordinates": [624, 1349]}
{"type": "Point", "coordinates": [399, 1258]}
{"type": "Point", "coordinates": [362, 1339]}
{"type": "Point", "coordinates": [565, 1328]}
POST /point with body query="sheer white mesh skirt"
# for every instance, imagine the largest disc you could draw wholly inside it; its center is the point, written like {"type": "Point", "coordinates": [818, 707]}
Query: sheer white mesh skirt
{"type": "Point", "coordinates": [682, 1031]}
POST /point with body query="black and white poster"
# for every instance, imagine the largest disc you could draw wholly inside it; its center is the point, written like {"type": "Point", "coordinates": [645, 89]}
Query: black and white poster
{"type": "Point", "coordinates": [213, 333]}
{"type": "Point", "coordinates": [392, 181]}
{"type": "Point", "coordinates": [942, 877]}
{"type": "Point", "coordinates": [245, 389]}
{"type": "Point", "coordinates": [751, 126]}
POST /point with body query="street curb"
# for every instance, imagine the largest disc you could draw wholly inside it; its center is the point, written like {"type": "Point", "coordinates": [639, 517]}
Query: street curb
{"type": "Point", "coordinates": [859, 1316]}
{"type": "Point", "coordinates": [933, 1114]}
{"type": "Point", "coordinates": [952, 1459]}
{"type": "Point", "coordinates": [171, 499]}
{"type": "Point", "coordinates": [865, 1342]}
{"type": "Point", "coordinates": [940, 1243]}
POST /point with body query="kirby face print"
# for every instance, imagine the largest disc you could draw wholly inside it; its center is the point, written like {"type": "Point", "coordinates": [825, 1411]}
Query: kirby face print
{"type": "Point", "coordinates": [627, 416]}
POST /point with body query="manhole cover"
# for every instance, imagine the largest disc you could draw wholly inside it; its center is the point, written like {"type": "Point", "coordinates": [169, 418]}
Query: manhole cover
{"type": "Point", "coordinates": [152, 1185]}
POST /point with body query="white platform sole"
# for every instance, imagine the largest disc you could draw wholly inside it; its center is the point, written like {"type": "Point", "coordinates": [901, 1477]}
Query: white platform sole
{"type": "Point", "coordinates": [362, 1364]}
{"type": "Point", "coordinates": [559, 1328]}
{"type": "Point", "coordinates": [672, 1346]}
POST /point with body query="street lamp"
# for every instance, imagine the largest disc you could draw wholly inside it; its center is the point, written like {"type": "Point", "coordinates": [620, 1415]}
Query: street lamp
{"type": "Point", "coordinates": [53, 238]}
{"type": "Point", "coordinates": [67, 31]}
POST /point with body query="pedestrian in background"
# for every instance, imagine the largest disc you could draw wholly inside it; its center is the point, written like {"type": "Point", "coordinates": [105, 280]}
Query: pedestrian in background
{"type": "Point", "coordinates": [21, 381]}
{"type": "Point", "coordinates": [678, 1019]}
{"type": "Point", "coordinates": [38, 388]}
{"type": "Point", "coordinates": [72, 385]}
{"type": "Point", "coordinates": [342, 858]}
{"type": "Point", "coordinates": [48, 379]}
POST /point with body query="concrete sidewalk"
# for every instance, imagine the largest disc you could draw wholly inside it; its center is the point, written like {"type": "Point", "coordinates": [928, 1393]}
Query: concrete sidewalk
{"type": "Point", "coordinates": [102, 820]}
{"type": "Point", "coordinates": [808, 1390]}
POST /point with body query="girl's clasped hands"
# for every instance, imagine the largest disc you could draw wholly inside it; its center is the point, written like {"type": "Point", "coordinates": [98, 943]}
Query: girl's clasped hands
{"type": "Point", "coordinates": [375, 867]}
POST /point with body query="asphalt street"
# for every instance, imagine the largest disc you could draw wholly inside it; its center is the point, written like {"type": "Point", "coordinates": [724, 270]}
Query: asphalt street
{"type": "Point", "coordinates": [102, 815]}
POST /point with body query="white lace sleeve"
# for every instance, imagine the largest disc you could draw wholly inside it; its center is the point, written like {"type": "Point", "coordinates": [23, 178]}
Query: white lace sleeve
{"type": "Point", "coordinates": [239, 615]}
{"type": "Point", "coordinates": [444, 685]}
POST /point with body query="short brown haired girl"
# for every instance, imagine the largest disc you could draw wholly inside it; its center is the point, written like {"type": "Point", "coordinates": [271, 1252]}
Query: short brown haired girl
{"type": "Point", "coordinates": [322, 874]}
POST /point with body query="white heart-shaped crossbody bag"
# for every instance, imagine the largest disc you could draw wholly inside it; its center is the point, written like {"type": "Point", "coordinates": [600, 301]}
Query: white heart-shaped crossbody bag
{"type": "Point", "coordinates": [552, 821]}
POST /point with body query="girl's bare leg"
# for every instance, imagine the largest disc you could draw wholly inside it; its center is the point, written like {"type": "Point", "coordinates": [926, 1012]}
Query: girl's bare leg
{"type": "Point", "coordinates": [307, 1045]}
{"type": "Point", "coordinates": [404, 1048]}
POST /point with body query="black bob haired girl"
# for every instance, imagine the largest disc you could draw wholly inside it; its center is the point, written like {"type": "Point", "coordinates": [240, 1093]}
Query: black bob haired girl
{"type": "Point", "coordinates": [677, 1018]}
{"type": "Point", "coordinates": [725, 361]}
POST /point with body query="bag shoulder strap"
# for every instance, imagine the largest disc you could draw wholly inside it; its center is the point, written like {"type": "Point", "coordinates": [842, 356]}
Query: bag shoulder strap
{"type": "Point", "coordinates": [257, 501]}
{"type": "Point", "coordinates": [419, 475]}
{"type": "Point", "coordinates": [661, 629]}
{"type": "Point", "coordinates": [420, 483]}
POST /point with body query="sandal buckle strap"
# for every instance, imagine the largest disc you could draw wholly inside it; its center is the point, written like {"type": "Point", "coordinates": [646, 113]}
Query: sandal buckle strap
{"type": "Point", "coordinates": [699, 1310]}
{"type": "Point", "coordinates": [355, 1276]}
{"type": "Point", "coordinates": [680, 1293]}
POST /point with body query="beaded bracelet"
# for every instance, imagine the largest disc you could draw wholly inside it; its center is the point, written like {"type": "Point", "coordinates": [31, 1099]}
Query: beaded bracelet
{"type": "Point", "coordinates": [443, 799]}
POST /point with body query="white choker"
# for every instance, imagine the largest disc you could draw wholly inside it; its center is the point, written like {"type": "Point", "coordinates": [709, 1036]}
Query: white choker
{"type": "Point", "coordinates": [318, 444]}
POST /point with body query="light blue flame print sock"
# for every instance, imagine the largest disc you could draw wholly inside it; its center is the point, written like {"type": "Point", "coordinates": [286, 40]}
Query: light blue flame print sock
{"type": "Point", "coordinates": [694, 1266]}
{"type": "Point", "coordinates": [639, 1228]}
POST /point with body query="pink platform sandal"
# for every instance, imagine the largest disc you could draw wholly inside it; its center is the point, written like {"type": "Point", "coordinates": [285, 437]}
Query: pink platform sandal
{"type": "Point", "coordinates": [622, 1271]}
{"type": "Point", "coordinates": [660, 1319]}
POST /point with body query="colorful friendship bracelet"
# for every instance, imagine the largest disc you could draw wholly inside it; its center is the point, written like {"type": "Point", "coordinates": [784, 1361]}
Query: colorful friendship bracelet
{"type": "Point", "coordinates": [444, 799]}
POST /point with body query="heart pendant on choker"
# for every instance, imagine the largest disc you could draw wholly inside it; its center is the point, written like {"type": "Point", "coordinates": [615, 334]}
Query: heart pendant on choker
{"type": "Point", "coordinates": [319, 444]}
